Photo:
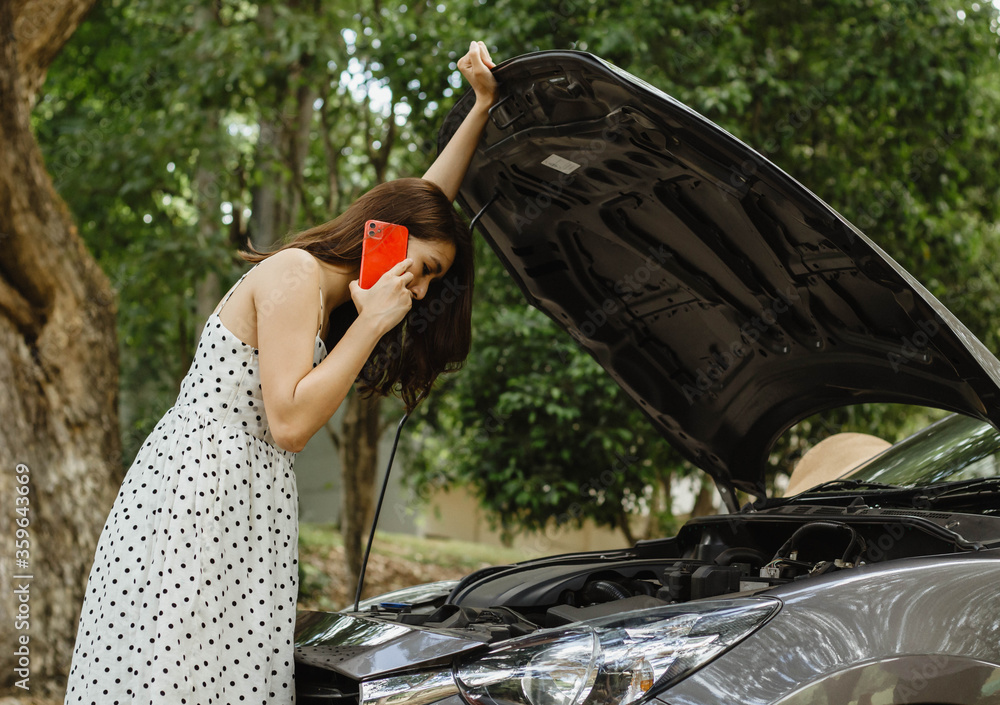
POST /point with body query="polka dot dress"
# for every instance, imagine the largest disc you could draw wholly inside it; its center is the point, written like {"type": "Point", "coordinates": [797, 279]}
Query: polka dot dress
{"type": "Point", "coordinates": [191, 598]}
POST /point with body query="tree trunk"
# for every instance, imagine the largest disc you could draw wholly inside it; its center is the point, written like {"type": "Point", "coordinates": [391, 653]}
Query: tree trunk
{"type": "Point", "coordinates": [360, 433]}
{"type": "Point", "coordinates": [626, 527]}
{"type": "Point", "coordinates": [207, 202]}
{"type": "Point", "coordinates": [58, 373]}
{"type": "Point", "coordinates": [207, 290]}
{"type": "Point", "coordinates": [265, 201]}
{"type": "Point", "coordinates": [298, 150]}
{"type": "Point", "coordinates": [362, 426]}
{"type": "Point", "coordinates": [704, 504]}
{"type": "Point", "coordinates": [660, 509]}
{"type": "Point", "coordinates": [332, 155]}
{"type": "Point", "coordinates": [268, 213]}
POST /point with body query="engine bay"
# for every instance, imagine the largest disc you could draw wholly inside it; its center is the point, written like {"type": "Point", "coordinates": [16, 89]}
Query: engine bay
{"type": "Point", "coordinates": [710, 557]}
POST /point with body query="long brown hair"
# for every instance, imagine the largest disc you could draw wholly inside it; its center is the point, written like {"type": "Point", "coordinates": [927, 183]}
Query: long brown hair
{"type": "Point", "coordinates": [436, 334]}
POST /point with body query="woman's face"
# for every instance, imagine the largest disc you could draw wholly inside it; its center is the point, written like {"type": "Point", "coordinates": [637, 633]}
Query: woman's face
{"type": "Point", "coordinates": [431, 260]}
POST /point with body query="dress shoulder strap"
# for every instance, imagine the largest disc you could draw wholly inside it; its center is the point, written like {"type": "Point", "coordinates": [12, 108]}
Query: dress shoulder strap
{"type": "Point", "coordinates": [232, 289]}
{"type": "Point", "coordinates": [320, 311]}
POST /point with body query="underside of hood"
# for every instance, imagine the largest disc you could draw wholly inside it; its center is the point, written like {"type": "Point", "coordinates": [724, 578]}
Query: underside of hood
{"type": "Point", "coordinates": [724, 297]}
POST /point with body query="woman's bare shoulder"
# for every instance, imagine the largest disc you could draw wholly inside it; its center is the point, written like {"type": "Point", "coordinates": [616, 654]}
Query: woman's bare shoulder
{"type": "Point", "coordinates": [290, 264]}
{"type": "Point", "coordinates": [284, 272]}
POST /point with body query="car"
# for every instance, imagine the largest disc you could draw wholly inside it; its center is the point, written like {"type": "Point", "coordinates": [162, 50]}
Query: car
{"type": "Point", "coordinates": [729, 302]}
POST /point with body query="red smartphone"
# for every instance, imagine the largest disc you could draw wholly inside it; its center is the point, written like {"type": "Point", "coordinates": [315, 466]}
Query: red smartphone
{"type": "Point", "coordinates": [384, 247]}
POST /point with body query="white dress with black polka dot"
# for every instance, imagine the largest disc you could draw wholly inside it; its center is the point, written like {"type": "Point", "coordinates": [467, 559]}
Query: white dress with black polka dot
{"type": "Point", "coordinates": [191, 598]}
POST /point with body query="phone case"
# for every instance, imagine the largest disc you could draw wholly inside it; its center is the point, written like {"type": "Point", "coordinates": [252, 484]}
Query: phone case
{"type": "Point", "coordinates": [384, 246]}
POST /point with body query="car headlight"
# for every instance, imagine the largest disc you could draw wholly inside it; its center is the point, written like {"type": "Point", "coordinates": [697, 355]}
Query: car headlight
{"type": "Point", "coordinates": [613, 660]}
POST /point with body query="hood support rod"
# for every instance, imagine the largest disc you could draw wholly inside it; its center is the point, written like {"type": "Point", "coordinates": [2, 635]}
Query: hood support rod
{"type": "Point", "coordinates": [728, 495]}
{"type": "Point", "coordinates": [475, 219]}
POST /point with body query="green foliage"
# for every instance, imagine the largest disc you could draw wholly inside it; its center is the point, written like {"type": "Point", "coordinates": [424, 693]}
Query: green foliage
{"type": "Point", "coordinates": [163, 124]}
{"type": "Point", "coordinates": [535, 426]}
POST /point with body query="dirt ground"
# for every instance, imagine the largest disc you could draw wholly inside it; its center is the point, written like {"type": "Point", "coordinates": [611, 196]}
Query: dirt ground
{"type": "Point", "coordinates": [326, 585]}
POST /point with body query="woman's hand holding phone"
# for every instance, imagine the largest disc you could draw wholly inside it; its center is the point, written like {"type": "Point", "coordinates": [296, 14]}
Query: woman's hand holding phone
{"type": "Point", "coordinates": [387, 302]}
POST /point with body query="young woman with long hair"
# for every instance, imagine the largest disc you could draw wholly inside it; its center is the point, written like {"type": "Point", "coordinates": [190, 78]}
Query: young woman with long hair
{"type": "Point", "coordinates": [191, 598]}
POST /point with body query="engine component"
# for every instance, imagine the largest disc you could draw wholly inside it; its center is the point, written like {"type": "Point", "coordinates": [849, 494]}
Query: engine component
{"type": "Point", "coordinates": [741, 555]}
{"type": "Point", "coordinates": [677, 581]}
{"type": "Point", "coordinates": [808, 550]}
{"type": "Point", "coordinates": [711, 580]}
{"type": "Point", "coordinates": [598, 591]}
{"type": "Point", "coordinates": [815, 542]}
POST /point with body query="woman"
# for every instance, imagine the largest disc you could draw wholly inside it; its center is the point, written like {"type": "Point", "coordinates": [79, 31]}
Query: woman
{"type": "Point", "coordinates": [191, 598]}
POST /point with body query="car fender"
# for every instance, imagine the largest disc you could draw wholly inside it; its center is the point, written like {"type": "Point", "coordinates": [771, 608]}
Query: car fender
{"type": "Point", "coordinates": [912, 624]}
{"type": "Point", "coordinates": [906, 680]}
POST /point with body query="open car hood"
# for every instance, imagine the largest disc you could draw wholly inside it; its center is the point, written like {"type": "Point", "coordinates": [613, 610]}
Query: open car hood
{"type": "Point", "coordinates": [724, 297]}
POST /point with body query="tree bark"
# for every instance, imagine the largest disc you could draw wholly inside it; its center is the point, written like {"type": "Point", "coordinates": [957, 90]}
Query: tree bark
{"type": "Point", "coordinates": [58, 371]}
{"type": "Point", "coordinates": [360, 432]}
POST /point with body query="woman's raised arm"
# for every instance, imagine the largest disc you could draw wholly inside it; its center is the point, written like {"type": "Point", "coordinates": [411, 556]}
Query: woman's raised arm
{"type": "Point", "coordinates": [448, 170]}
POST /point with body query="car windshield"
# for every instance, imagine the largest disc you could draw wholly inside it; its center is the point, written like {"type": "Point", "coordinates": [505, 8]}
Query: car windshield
{"type": "Point", "coordinates": [954, 449]}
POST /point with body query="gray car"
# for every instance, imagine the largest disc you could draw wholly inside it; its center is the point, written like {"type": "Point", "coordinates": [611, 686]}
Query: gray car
{"type": "Point", "coordinates": [730, 303]}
